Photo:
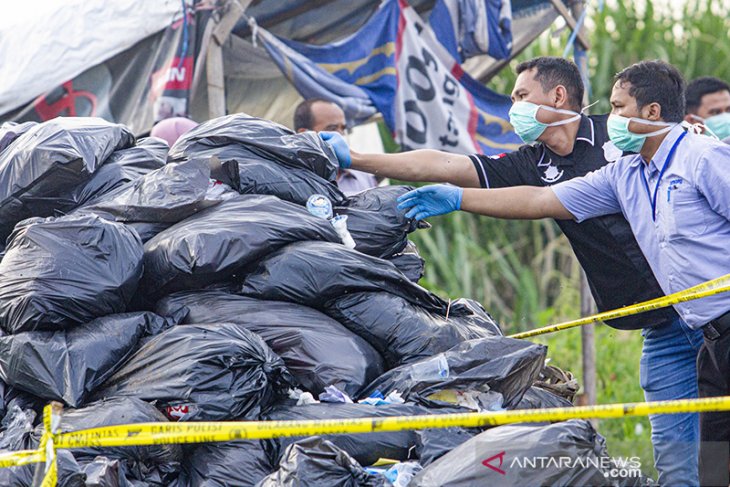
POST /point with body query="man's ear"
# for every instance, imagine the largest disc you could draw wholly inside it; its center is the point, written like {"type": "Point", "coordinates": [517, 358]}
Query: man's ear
{"type": "Point", "coordinates": [301, 129]}
{"type": "Point", "coordinates": [652, 111]}
{"type": "Point", "coordinates": [560, 97]}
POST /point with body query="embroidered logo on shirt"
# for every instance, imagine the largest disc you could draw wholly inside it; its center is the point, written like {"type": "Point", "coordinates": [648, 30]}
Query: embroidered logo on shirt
{"type": "Point", "coordinates": [552, 173]}
{"type": "Point", "coordinates": [498, 156]}
{"type": "Point", "coordinates": [611, 152]}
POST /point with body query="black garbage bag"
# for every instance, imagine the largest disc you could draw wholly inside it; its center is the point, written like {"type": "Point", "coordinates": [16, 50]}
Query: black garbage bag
{"type": "Point", "coordinates": [203, 372]}
{"type": "Point", "coordinates": [376, 224]}
{"type": "Point", "coordinates": [498, 457]}
{"type": "Point", "coordinates": [12, 396]}
{"type": "Point", "coordinates": [67, 365]}
{"type": "Point", "coordinates": [432, 444]}
{"type": "Point", "coordinates": [158, 199]}
{"type": "Point", "coordinates": [317, 462]}
{"type": "Point", "coordinates": [217, 243]}
{"type": "Point", "coordinates": [404, 333]}
{"type": "Point", "coordinates": [479, 367]}
{"type": "Point", "coordinates": [236, 463]}
{"type": "Point", "coordinates": [263, 139]}
{"type": "Point", "coordinates": [60, 272]}
{"type": "Point", "coordinates": [118, 411]}
{"type": "Point", "coordinates": [106, 472]}
{"type": "Point", "coordinates": [18, 429]}
{"type": "Point", "coordinates": [538, 398]}
{"type": "Point", "coordinates": [312, 273]}
{"type": "Point", "coordinates": [9, 131]}
{"type": "Point", "coordinates": [317, 350]}
{"type": "Point", "coordinates": [365, 448]}
{"type": "Point", "coordinates": [70, 473]}
{"type": "Point", "coordinates": [409, 262]}
{"type": "Point", "coordinates": [122, 167]}
{"type": "Point", "coordinates": [51, 159]}
{"type": "Point", "coordinates": [260, 176]}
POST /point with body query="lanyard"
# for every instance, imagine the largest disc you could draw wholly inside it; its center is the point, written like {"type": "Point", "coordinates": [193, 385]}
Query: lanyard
{"type": "Point", "coordinates": [652, 197]}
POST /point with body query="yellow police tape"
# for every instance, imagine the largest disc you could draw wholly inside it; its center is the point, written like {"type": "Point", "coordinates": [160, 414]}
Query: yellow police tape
{"type": "Point", "coordinates": [709, 288]}
{"type": "Point", "coordinates": [141, 434]}
{"type": "Point", "coordinates": [162, 433]}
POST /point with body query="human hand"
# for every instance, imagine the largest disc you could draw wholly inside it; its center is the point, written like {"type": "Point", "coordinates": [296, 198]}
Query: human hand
{"type": "Point", "coordinates": [339, 146]}
{"type": "Point", "coordinates": [437, 199]}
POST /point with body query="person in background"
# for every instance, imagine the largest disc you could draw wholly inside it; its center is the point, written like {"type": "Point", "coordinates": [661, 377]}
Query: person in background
{"type": "Point", "coordinates": [565, 144]}
{"type": "Point", "coordinates": [324, 116]}
{"type": "Point", "coordinates": [672, 189]}
{"type": "Point", "coordinates": [170, 129]}
{"type": "Point", "coordinates": [708, 102]}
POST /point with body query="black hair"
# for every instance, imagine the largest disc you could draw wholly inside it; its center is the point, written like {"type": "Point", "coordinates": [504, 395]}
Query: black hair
{"type": "Point", "coordinates": [554, 71]}
{"type": "Point", "coordinates": [656, 82]}
{"type": "Point", "coordinates": [700, 87]}
{"type": "Point", "coordinates": [303, 118]}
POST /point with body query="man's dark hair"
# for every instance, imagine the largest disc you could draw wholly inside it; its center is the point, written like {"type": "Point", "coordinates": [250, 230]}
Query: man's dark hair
{"type": "Point", "coordinates": [701, 87]}
{"type": "Point", "coordinates": [554, 71]}
{"type": "Point", "coordinates": [656, 82]}
{"type": "Point", "coordinates": [303, 118]}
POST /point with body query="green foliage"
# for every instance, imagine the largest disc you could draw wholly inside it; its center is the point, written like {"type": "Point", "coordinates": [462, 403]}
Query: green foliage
{"type": "Point", "coordinates": [695, 39]}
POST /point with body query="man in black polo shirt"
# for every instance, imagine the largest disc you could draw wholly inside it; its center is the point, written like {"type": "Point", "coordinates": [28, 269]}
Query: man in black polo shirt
{"type": "Point", "coordinates": [547, 102]}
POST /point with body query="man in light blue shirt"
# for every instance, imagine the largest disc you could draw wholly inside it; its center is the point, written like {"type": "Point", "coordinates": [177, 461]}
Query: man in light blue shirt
{"type": "Point", "coordinates": [675, 194]}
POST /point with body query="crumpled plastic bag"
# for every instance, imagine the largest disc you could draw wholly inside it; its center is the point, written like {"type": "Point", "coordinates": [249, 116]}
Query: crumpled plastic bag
{"type": "Point", "coordinates": [41, 166]}
{"type": "Point", "coordinates": [312, 273]}
{"type": "Point", "coordinates": [263, 139]}
{"type": "Point", "coordinates": [216, 243]}
{"type": "Point", "coordinates": [61, 272]}
{"type": "Point", "coordinates": [233, 165]}
{"type": "Point", "coordinates": [409, 262]}
{"type": "Point", "coordinates": [493, 364]}
{"type": "Point", "coordinates": [376, 224]}
{"type": "Point", "coordinates": [203, 372]}
{"type": "Point", "coordinates": [158, 199]}
{"type": "Point", "coordinates": [403, 332]}
{"type": "Point", "coordinates": [67, 365]}
{"type": "Point", "coordinates": [122, 167]}
{"type": "Point", "coordinates": [317, 350]}
{"type": "Point", "coordinates": [498, 456]}
{"type": "Point", "coordinates": [317, 462]}
{"type": "Point", "coordinates": [244, 462]}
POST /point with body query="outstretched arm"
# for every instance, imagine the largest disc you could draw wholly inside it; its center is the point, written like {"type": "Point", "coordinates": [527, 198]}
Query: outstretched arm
{"type": "Point", "coordinates": [519, 202]}
{"type": "Point", "coordinates": [424, 165]}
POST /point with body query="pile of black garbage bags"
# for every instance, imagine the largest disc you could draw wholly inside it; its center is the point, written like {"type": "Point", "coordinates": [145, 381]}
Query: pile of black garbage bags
{"type": "Point", "coordinates": [143, 283]}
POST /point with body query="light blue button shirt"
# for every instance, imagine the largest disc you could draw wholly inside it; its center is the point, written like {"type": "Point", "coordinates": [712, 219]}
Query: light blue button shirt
{"type": "Point", "coordinates": [689, 240]}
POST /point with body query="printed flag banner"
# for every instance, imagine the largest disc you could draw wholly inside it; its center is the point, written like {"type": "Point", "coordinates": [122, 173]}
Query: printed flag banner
{"type": "Point", "coordinates": [394, 64]}
{"type": "Point", "coordinates": [473, 27]}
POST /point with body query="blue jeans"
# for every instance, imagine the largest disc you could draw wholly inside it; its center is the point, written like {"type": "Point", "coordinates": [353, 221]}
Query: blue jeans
{"type": "Point", "coordinates": [668, 371]}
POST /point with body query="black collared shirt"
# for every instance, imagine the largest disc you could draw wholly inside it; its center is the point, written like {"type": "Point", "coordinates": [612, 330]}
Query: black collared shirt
{"type": "Point", "coordinates": [617, 271]}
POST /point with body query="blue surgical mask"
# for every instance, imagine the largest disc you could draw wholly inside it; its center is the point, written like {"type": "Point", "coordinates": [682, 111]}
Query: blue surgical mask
{"type": "Point", "coordinates": [717, 125]}
{"type": "Point", "coordinates": [627, 141]}
{"type": "Point", "coordinates": [523, 117]}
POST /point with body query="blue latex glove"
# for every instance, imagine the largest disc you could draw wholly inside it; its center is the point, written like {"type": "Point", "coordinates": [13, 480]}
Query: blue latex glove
{"type": "Point", "coordinates": [339, 146]}
{"type": "Point", "coordinates": [429, 201]}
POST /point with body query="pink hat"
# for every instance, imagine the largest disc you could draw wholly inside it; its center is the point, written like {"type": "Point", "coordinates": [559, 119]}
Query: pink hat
{"type": "Point", "coordinates": [170, 129]}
